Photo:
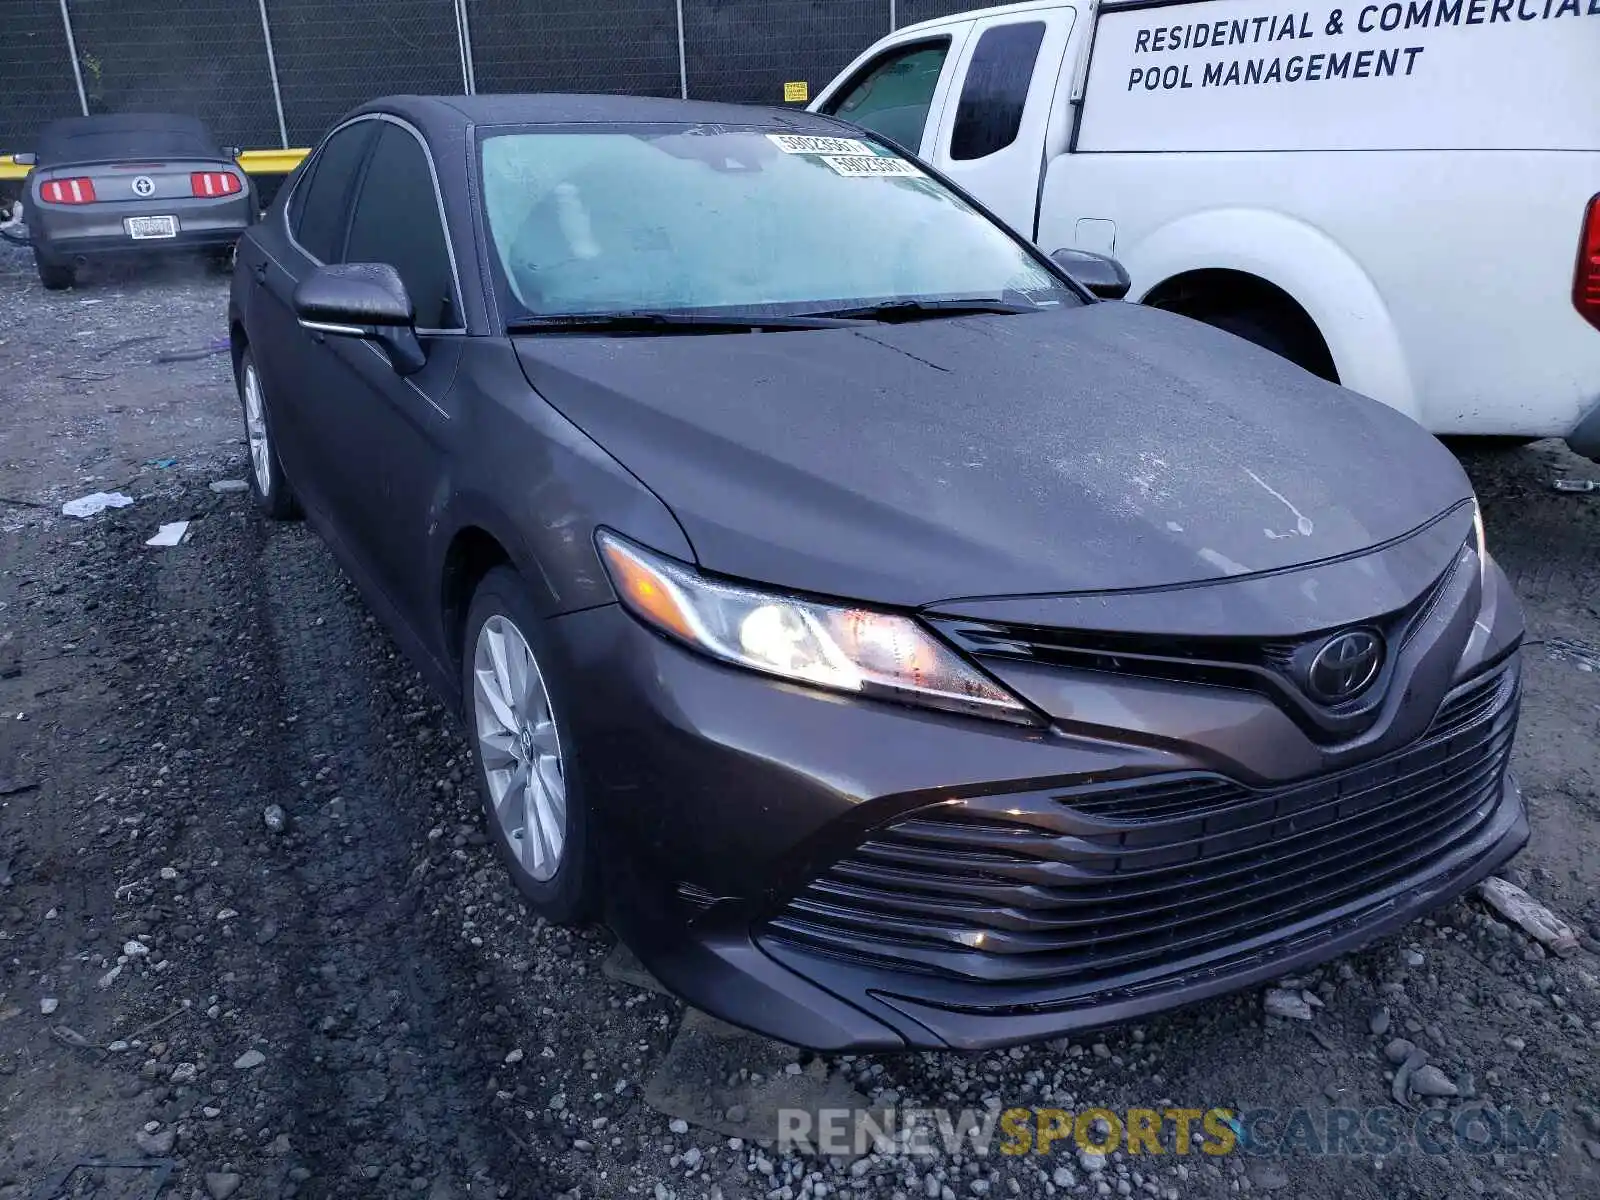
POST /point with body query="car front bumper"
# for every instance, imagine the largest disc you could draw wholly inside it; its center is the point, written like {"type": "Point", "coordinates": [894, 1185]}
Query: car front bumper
{"type": "Point", "coordinates": [729, 804]}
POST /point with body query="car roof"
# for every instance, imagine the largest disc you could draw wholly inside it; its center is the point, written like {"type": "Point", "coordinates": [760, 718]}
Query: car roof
{"type": "Point", "coordinates": [113, 135]}
{"type": "Point", "coordinates": [436, 114]}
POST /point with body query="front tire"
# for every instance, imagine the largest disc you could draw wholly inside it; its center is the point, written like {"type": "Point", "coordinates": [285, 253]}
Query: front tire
{"type": "Point", "coordinates": [54, 276]}
{"type": "Point", "coordinates": [269, 487]}
{"type": "Point", "coordinates": [533, 799]}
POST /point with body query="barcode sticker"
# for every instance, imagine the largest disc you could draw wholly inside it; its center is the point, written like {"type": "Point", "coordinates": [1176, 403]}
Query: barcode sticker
{"type": "Point", "coordinates": [891, 168]}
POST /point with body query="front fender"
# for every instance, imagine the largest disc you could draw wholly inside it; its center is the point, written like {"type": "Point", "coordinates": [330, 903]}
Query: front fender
{"type": "Point", "coordinates": [1304, 262]}
{"type": "Point", "coordinates": [539, 486]}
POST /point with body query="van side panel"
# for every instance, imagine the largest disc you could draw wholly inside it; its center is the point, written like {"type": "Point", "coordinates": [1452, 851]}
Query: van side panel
{"type": "Point", "coordinates": [1420, 75]}
{"type": "Point", "coordinates": [1441, 280]}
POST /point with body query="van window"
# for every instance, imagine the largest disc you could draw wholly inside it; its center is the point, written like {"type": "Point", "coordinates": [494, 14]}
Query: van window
{"type": "Point", "coordinates": [892, 95]}
{"type": "Point", "coordinates": [996, 90]}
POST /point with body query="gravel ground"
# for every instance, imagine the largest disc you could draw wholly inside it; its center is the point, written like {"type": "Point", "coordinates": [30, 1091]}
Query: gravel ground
{"type": "Point", "coordinates": [251, 929]}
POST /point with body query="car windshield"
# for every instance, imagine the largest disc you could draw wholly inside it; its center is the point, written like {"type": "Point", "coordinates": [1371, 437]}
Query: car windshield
{"type": "Point", "coordinates": [729, 221]}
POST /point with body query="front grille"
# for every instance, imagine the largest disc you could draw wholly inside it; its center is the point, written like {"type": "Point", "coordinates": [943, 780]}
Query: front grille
{"type": "Point", "coordinates": [1271, 668]}
{"type": "Point", "coordinates": [1093, 884]}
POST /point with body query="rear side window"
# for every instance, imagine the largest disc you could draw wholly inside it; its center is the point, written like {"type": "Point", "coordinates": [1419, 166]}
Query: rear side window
{"type": "Point", "coordinates": [397, 221]}
{"type": "Point", "coordinates": [996, 90]}
{"type": "Point", "coordinates": [320, 207]}
{"type": "Point", "coordinates": [892, 96]}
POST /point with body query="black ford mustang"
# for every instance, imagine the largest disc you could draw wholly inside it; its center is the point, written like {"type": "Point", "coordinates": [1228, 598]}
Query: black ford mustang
{"type": "Point", "coordinates": [900, 645]}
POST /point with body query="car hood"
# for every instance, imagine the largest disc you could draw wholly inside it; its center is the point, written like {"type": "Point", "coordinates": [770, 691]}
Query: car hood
{"type": "Point", "coordinates": [1105, 447]}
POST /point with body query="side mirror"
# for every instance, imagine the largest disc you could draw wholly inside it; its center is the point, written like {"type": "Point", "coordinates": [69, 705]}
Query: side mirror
{"type": "Point", "coordinates": [362, 300]}
{"type": "Point", "coordinates": [1103, 275]}
{"type": "Point", "coordinates": [24, 160]}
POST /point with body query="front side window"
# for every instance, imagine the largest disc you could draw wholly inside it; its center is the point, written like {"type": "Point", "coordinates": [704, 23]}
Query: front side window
{"type": "Point", "coordinates": [320, 206]}
{"type": "Point", "coordinates": [735, 220]}
{"type": "Point", "coordinates": [996, 90]}
{"type": "Point", "coordinates": [396, 221]}
{"type": "Point", "coordinates": [893, 95]}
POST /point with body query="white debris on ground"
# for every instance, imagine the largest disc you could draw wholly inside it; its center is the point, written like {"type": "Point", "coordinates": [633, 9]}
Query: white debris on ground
{"type": "Point", "coordinates": [94, 503]}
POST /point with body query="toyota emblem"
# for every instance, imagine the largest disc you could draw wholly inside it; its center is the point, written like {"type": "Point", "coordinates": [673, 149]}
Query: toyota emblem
{"type": "Point", "coordinates": [1345, 666]}
{"type": "Point", "coordinates": [144, 186]}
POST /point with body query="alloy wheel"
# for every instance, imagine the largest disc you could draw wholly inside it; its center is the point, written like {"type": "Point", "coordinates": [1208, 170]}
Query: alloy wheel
{"type": "Point", "coordinates": [255, 427]}
{"type": "Point", "coordinates": [520, 747]}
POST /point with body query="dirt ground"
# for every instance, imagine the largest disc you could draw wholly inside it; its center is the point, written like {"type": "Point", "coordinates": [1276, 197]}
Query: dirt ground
{"type": "Point", "coordinates": [254, 942]}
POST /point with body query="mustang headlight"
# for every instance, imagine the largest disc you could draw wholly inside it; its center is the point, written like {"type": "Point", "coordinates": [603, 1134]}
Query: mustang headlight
{"type": "Point", "coordinates": [847, 649]}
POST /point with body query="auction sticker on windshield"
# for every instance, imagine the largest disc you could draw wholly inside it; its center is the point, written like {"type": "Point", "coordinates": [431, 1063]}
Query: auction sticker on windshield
{"type": "Point", "coordinates": [800, 143]}
{"type": "Point", "coordinates": [881, 167]}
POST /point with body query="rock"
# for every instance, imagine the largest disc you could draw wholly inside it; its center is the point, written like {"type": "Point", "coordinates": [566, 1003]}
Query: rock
{"type": "Point", "coordinates": [274, 818]}
{"type": "Point", "coordinates": [1378, 1023]}
{"type": "Point", "coordinates": [1091, 1162]}
{"type": "Point", "coordinates": [1533, 918]}
{"type": "Point", "coordinates": [1267, 1175]}
{"type": "Point", "coordinates": [135, 949]}
{"type": "Point", "coordinates": [1428, 1080]}
{"type": "Point", "coordinates": [185, 1072]}
{"type": "Point", "coordinates": [249, 1060]}
{"type": "Point", "coordinates": [1100, 1050]}
{"type": "Point", "coordinates": [513, 1058]}
{"type": "Point", "coordinates": [734, 1115]}
{"type": "Point", "coordinates": [1281, 1002]}
{"type": "Point", "coordinates": [49, 1005]}
{"type": "Point", "coordinates": [931, 1186]}
{"type": "Point", "coordinates": [221, 1184]}
{"type": "Point", "coordinates": [223, 486]}
{"type": "Point", "coordinates": [679, 1126]}
{"type": "Point", "coordinates": [1516, 1043]}
{"type": "Point", "coordinates": [691, 1158]}
{"type": "Point", "coordinates": [1398, 1051]}
{"type": "Point", "coordinates": [156, 1145]}
{"type": "Point", "coordinates": [1064, 1178]}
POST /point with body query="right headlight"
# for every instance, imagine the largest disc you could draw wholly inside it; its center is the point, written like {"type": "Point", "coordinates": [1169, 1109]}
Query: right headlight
{"type": "Point", "coordinates": [846, 649]}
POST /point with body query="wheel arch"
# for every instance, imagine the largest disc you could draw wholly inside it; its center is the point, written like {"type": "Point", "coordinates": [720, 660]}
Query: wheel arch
{"type": "Point", "coordinates": [1267, 250]}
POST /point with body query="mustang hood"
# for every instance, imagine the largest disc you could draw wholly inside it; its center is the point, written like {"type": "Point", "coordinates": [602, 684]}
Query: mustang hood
{"type": "Point", "coordinates": [1101, 448]}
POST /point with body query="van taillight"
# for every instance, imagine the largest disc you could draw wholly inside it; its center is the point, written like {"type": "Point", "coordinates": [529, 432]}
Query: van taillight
{"type": "Point", "coordinates": [215, 183]}
{"type": "Point", "coordinates": [1586, 280]}
{"type": "Point", "coordinates": [67, 191]}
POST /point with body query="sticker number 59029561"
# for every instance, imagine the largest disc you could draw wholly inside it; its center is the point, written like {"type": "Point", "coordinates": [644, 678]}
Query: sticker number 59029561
{"type": "Point", "coordinates": [878, 166]}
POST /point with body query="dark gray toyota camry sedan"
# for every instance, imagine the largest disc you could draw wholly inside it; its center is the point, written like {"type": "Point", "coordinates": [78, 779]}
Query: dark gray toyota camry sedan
{"type": "Point", "coordinates": [899, 644]}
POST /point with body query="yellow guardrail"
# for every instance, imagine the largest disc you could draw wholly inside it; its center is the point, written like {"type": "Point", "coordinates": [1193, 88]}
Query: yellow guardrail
{"type": "Point", "coordinates": [254, 162]}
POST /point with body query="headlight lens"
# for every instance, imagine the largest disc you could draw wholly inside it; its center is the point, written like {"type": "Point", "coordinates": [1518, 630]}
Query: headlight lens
{"type": "Point", "coordinates": [825, 645]}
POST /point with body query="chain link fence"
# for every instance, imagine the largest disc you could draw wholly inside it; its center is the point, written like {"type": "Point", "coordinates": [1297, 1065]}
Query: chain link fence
{"type": "Point", "coordinates": [909, 12]}
{"type": "Point", "coordinates": [266, 73]}
{"type": "Point", "coordinates": [36, 80]}
{"type": "Point", "coordinates": [333, 57]}
{"type": "Point", "coordinates": [207, 58]}
{"type": "Point", "coordinates": [575, 46]}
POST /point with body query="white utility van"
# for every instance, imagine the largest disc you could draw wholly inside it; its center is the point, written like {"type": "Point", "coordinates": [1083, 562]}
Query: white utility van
{"type": "Point", "coordinates": [1401, 196]}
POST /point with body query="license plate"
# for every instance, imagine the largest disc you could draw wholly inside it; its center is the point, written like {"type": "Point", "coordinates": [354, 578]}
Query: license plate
{"type": "Point", "coordinates": [140, 228]}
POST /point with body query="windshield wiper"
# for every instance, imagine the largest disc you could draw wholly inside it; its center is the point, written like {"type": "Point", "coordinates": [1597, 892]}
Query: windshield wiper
{"type": "Point", "coordinates": [924, 310]}
{"type": "Point", "coordinates": [665, 322]}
